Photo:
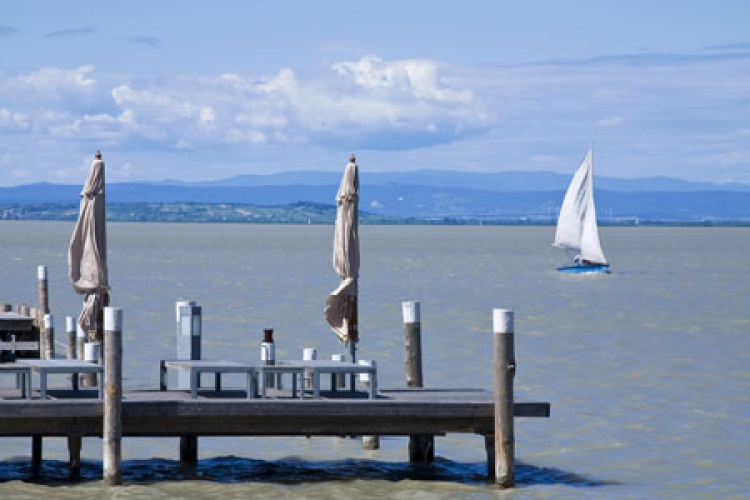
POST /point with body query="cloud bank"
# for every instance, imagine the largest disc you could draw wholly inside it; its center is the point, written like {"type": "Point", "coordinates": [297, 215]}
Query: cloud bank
{"type": "Point", "coordinates": [644, 114]}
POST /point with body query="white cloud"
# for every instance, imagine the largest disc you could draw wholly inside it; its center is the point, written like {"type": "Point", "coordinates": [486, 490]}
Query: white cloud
{"type": "Point", "coordinates": [49, 87]}
{"type": "Point", "coordinates": [11, 120]}
{"type": "Point", "coordinates": [415, 77]}
{"type": "Point", "coordinates": [153, 106]}
{"type": "Point", "coordinates": [407, 113]}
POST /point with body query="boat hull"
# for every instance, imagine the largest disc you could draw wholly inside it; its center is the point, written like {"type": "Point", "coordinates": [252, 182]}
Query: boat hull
{"type": "Point", "coordinates": [580, 269]}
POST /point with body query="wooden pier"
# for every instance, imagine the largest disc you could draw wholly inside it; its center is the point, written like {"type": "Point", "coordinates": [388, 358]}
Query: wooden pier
{"type": "Point", "coordinates": [155, 413]}
{"type": "Point", "coordinates": [112, 412]}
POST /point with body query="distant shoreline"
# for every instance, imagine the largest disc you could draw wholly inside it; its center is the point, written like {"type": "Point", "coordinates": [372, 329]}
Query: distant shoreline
{"type": "Point", "coordinates": [305, 213]}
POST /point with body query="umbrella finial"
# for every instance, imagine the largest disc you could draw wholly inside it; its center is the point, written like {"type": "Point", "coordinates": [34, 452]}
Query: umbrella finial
{"type": "Point", "coordinates": [98, 155]}
{"type": "Point", "coordinates": [352, 159]}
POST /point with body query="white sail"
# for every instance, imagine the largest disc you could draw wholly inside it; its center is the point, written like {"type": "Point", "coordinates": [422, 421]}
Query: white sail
{"type": "Point", "coordinates": [576, 226]}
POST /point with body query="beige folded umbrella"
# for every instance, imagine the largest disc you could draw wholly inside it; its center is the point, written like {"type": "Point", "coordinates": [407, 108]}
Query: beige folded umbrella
{"type": "Point", "coordinates": [87, 254]}
{"type": "Point", "coordinates": [341, 307]}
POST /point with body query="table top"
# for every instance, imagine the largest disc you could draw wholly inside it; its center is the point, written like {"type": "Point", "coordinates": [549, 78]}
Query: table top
{"type": "Point", "coordinates": [207, 364]}
{"type": "Point", "coordinates": [13, 367]}
{"type": "Point", "coordinates": [71, 365]}
{"type": "Point", "coordinates": [328, 365]}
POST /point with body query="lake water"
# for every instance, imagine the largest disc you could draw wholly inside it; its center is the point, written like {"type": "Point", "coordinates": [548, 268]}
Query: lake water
{"type": "Point", "coordinates": [647, 369]}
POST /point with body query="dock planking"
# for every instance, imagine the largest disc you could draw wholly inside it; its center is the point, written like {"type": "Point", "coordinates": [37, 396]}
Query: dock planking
{"type": "Point", "coordinates": [154, 413]}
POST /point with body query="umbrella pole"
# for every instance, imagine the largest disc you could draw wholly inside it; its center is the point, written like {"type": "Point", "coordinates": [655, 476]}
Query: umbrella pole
{"type": "Point", "coordinates": [353, 354]}
{"type": "Point", "coordinates": [354, 326]}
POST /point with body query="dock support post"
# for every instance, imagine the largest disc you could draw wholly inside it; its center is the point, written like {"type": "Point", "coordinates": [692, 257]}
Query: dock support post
{"type": "Point", "coordinates": [36, 450]}
{"type": "Point", "coordinates": [489, 446]}
{"type": "Point", "coordinates": [70, 352]}
{"type": "Point", "coordinates": [80, 341]}
{"type": "Point", "coordinates": [189, 449]}
{"type": "Point", "coordinates": [74, 452]}
{"type": "Point", "coordinates": [70, 330]}
{"type": "Point", "coordinates": [48, 339]}
{"type": "Point", "coordinates": [505, 370]}
{"type": "Point", "coordinates": [43, 292]}
{"type": "Point", "coordinates": [112, 429]}
{"type": "Point", "coordinates": [421, 446]}
{"type": "Point", "coordinates": [369, 442]}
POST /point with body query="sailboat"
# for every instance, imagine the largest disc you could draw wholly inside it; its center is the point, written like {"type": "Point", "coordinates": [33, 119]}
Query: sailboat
{"type": "Point", "coordinates": [577, 230]}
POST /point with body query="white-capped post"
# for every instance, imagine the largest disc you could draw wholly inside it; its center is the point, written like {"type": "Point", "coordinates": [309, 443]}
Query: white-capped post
{"type": "Point", "coordinates": [70, 352]}
{"type": "Point", "coordinates": [413, 341]}
{"type": "Point", "coordinates": [43, 292]}
{"type": "Point", "coordinates": [112, 428]}
{"type": "Point", "coordinates": [421, 446]}
{"type": "Point", "coordinates": [505, 370]}
{"type": "Point", "coordinates": [80, 342]}
{"type": "Point", "coordinates": [49, 337]}
{"type": "Point", "coordinates": [70, 330]}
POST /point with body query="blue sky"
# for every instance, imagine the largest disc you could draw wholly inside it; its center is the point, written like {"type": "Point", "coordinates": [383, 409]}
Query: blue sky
{"type": "Point", "coordinates": [208, 90]}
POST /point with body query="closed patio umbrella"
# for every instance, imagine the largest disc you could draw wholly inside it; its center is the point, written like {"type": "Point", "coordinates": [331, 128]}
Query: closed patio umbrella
{"type": "Point", "coordinates": [341, 307]}
{"type": "Point", "coordinates": [87, 254]}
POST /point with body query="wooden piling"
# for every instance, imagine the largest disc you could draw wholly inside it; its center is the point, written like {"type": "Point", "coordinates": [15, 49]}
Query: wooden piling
{"type": "Point", "coordinates": [413, 343]}
{"type": "Point", "coordinates": [505, 370]}
{"type": "Point", "coordinates": [189, 449]}
{"type": "Point", "coordinates": [369, 442]}
{"type": "Point", "coordinates": [80, 342]}
{"type": "Point", "coordinates": [36, 450]}
{"type": "Point", "coordinates": [71, 348]}
{"type": "Point", "coordinates": [75, 442]}
{"type": "Point", "coordinates": [112, 426]}
{"type": "Point", "coordinates": [421, 446]}
{"type": "Point", "coordinates": [48, 338]}
{"type": "Point", "coordinates": [43, 293]}
{"type": "Point", "coordinates": [70, 330]}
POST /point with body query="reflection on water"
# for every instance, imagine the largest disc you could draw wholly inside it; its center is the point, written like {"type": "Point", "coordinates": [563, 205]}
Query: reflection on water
{"type": "Point", "coordinates": [287, 471]}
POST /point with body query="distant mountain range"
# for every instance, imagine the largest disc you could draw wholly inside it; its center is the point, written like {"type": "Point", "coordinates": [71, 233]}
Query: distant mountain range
{"type": "Point", "coordinates": [432, 195]}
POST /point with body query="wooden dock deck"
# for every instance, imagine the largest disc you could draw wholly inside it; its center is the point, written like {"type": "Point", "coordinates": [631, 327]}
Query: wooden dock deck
{"type": "Point", "coordinates": [395, 412]}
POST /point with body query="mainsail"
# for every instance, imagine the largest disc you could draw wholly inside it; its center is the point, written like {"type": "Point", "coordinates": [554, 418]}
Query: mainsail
{"type": "Point", "coordinates": [576, 225]}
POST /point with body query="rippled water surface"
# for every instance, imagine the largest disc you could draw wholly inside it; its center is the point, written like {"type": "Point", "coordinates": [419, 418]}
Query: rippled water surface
{"type": "Point", "coordinates": [647, 369]}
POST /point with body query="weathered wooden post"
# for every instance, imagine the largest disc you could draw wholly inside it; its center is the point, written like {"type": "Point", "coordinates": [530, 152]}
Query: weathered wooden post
{"type": "Point", "coordinates": [71, 348]}
{"type": "Point", "coordinates": [36, 451]}
{"type": "Point", "coordinates": [368, 442]}
{"type": "Point", "coordinates": [70, 330]}
{"type": "Point", "coordinates": [413, 343]}
{"type": "Point", "coordinates": [80, 342]}
{"type": "Point", "coordinates": [112, 428]}
{"type": "Point", "coordinates": [48, 338]}
{"type": "Point", "coordinates": [75, 442]}
{"type": "Point", "coordinates": [421, 446]}
{"type": "Point", "coordinates": [189, 449]}
{"type": "Point", "coordinates": [43, 292]}
{"type": "Point", "coordinates": [505, 370]}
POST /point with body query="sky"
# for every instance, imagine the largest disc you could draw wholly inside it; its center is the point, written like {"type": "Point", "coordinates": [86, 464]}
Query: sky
{"type": "Point", "coordinates": [195, 90]}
